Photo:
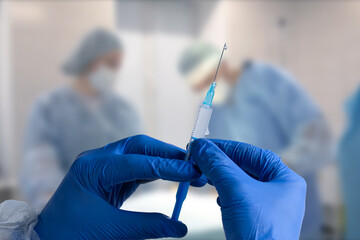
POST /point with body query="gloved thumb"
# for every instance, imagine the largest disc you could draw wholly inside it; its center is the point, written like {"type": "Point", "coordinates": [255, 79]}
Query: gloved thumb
{"type": "Point", "coordinates": [139, 225]}
{"type": "Point", "coordinates": [216, 165]}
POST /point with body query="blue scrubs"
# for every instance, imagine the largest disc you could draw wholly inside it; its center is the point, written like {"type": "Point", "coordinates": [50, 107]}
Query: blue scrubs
{"type": "Point", "coordinates": [349, 163]}
{"type": "Point", "coordinates": [62, 124]}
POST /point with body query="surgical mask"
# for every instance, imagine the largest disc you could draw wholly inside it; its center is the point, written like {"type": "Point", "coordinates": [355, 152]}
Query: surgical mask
{"type": "Point", "coordinates": [222, 92]}
{"type": "Point", "coordinates": [103, 80]}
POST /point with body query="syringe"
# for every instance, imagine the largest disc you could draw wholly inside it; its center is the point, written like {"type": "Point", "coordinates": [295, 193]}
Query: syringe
{"type": "Point", "coordinates": [200, 130]}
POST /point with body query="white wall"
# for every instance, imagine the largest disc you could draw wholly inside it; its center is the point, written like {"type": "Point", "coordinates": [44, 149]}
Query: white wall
{"type": "Point", "coordinates": [150, 76]}
{"type": "Point", "coordinates": [7, 168]}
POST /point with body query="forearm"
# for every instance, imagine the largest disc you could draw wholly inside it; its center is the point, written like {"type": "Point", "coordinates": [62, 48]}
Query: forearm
{"type": "Point", "coordinates": [40, 175]}
{"type": "Point", "coordinates": [17, 221]}
{"type": "Point", "coordinates": [310, 149]}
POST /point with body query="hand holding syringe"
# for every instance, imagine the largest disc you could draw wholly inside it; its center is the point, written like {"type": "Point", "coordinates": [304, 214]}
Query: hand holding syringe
{"type": "Point", "coordinates": [200, 130]}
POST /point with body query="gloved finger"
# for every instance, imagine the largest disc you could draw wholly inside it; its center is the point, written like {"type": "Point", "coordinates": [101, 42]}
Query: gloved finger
{"type": "Point", "coordinates": [200, 182]}
{"type": "Point", "coordinates": [214, 164]}
{"type": "Point", "coordinates": [145, 145]}
{"type": "Point", "coordinates": [264, 164]}
{"type": "Point", "coordinates": [140, 225]}
{"type": "Point", "coordinates": [130, 167]}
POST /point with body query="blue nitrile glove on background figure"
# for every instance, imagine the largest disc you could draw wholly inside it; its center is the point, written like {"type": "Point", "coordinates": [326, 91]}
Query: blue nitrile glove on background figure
{"type": "Point", "coordinates": [271, 207]}
{"type": "Point", "coordinates": [85, 206]}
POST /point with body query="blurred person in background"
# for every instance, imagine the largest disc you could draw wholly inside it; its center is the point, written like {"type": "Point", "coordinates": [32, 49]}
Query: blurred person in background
{"type": "Point", "coordinates": [349, 164]}
{"type": "Point", "coordinates": [83, 115]}
{"type": "Point", "coordinates": [263, 105]}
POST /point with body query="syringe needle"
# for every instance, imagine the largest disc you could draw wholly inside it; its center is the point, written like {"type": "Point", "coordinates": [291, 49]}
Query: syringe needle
{"type": "Point", "coordinates": [217, 69]}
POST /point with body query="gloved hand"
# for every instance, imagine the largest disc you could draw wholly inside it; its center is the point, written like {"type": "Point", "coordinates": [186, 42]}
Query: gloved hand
{"type": "Point", "coordinates": [85, 205]}
{"type": "Point", "coordinates": [269, 207]}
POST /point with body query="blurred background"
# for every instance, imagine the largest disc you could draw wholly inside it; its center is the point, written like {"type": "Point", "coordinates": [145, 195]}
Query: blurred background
{"type": "Point", "coordinates": [314, 42]}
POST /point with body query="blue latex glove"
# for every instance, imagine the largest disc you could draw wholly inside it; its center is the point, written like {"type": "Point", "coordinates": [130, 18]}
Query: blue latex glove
{"type": "Point", "coordinates": [271, 207]}
{"type": "Point", "coordinates": [85, 205]}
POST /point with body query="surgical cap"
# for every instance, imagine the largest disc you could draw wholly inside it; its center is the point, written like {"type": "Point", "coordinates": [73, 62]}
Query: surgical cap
{"type": "Point", "coordinates": [94, 45]}
{"type": "Point", "coordinates": [198, 61]}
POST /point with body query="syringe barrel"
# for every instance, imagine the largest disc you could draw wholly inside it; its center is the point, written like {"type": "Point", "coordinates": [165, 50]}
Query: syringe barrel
{"type": "Point", "coordinates": [202, 122]}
